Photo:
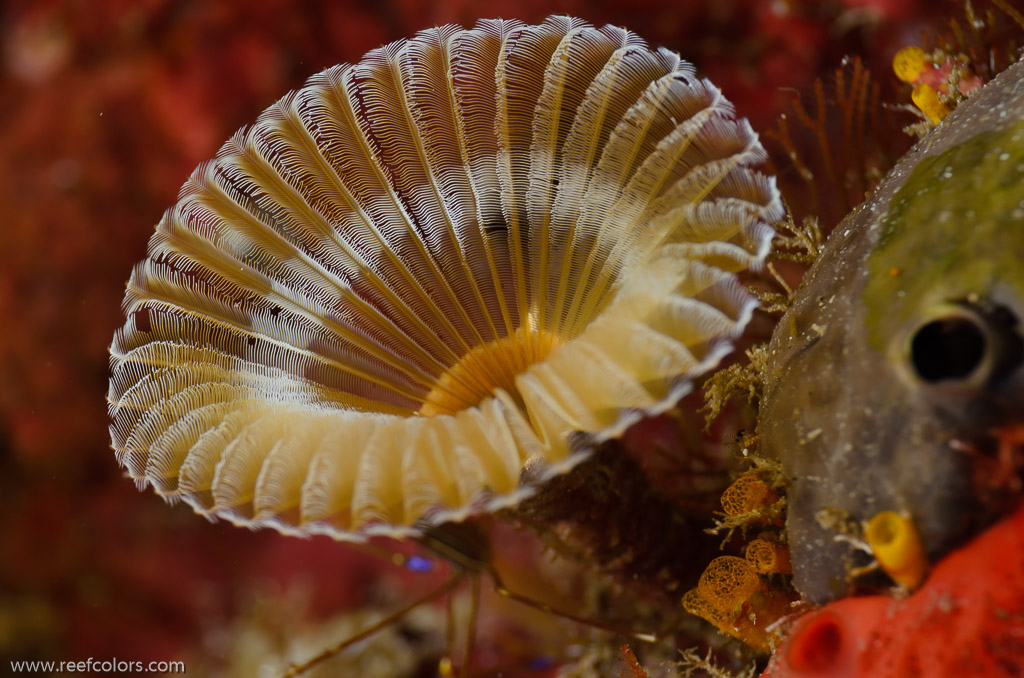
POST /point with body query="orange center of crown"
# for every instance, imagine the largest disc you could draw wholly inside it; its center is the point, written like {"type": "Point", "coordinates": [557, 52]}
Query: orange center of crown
{"type": "Point", "coordinates": [486, 368]}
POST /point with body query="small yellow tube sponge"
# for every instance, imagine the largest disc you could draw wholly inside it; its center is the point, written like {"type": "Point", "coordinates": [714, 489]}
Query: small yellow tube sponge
{"type": "Point", "coordinates": [897, 546]}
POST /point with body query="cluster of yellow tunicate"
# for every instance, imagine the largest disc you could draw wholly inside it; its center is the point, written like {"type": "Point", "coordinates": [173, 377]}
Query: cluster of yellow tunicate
{"type": "Point", "coordinates": [732, 596]}
{"type": "Point", "coordinates": [941, 80]}
{"type": "Point", "coordinates": [734, 593]}
{"type": "Point", "coordinates": [908, 64]}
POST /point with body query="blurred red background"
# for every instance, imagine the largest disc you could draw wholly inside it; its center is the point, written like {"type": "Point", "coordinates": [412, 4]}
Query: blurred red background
{"type": "Point", "coordinates": [105, 108]}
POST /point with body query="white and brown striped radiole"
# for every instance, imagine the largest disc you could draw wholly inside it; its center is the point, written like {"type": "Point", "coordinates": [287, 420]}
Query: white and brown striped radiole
{"type": "Point", "coordinates": [421, 273]}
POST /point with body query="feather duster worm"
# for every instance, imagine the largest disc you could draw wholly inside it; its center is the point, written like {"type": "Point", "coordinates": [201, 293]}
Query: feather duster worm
{"type": "Point", "coordinates": [422, 273]}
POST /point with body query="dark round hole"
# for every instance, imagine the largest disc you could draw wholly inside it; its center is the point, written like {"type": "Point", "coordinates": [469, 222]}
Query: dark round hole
{"type": "Point", "coordinates": [948, 349]}
{"type": "Point", "coordinates": [817, 646]}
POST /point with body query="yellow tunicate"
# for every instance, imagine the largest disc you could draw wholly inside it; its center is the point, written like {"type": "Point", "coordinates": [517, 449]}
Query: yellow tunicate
{"type": "Point", "coordinates": [768, 557]}
{"type": "Point", "coordinates": [748, 493]}
{"type": "Point", "coordinates": [897, 546]}
{"type": "Point", "coordinates": [927, 99]}
{"type": "Point", "coordinates": [908, 63]}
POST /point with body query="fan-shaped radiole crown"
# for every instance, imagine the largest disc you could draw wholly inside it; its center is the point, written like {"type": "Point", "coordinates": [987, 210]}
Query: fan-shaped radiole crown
{"type": "Point", "coordinates": [421, 272]}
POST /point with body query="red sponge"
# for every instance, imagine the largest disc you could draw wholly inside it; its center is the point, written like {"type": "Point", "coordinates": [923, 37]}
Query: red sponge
{"type": "Point", "coordinates": [967, 620]}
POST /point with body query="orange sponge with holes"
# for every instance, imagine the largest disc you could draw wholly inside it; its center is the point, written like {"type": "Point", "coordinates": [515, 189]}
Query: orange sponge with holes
{"type": "Point", "coordinates": [967, 620]}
